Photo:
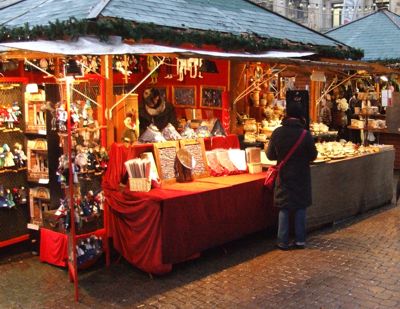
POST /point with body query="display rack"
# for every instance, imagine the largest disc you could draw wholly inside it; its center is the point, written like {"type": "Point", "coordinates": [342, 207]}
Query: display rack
{"type": "Point", "coordinates": [81, 143]}
{"type": "Point", "coordinates": [14, 210]}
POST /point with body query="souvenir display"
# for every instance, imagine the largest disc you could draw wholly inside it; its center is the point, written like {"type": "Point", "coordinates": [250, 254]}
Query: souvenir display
{"type": "Point", "coordinates": [88, 250]}
{"type": "Point", "coordinates": [170, 133]}
{"type": "Point", "coordinates": [37, 160]}
{"type": "Point", "coordinates": [35, 111]}
{"type": "Point", "coordinates": [224, 160]}
{"type": "Point", "coordinates": [10, 117]}
{"type": "Point", "coordinates": [188, 132]}
{"type": "Point", "coordinates": [238, 158]}
{"type": "Point", "coordinates": [12, 197]}
{"type": "Point", "coordinates": [215, 167]}
{"type": "Point", "coordinates": [203, 131]}
{"type": "Point", "coordinates": [218, 129]}
{"type": "Point", "coordinates": [151, 135]}
{"type": "Point", "coordinates": [19, 156]}
{"type": "Point", "coordinates": [39, 202]}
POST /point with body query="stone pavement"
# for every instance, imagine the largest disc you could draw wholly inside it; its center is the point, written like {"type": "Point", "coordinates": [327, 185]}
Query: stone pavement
{"type": "Point", "coordinates": [353, 265]}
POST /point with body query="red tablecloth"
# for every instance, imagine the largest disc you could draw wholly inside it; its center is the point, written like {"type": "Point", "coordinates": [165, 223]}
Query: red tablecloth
{"type": "Point", "coordinates": [156, 229]}
{"type": "Point", "coordinates": [54, 246]}
{"type": "Point", "coordinates": [226, 142]}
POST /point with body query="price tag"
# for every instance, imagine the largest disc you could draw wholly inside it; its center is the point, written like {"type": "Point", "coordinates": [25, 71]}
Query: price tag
{"type": "Point", "coordinates": [42, 132]}
{"type": "Point", "coordinates": [43, 181]}
{"type": "Point", "coordinates": [32, 226]}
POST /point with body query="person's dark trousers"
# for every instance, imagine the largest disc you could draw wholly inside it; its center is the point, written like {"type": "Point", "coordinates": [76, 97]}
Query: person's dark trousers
{"type": "Point", "coordinates": [299, 224]}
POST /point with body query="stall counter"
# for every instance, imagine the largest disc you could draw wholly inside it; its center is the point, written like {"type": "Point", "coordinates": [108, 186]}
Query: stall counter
{"type": "Point", "coordinates": [154, 230]}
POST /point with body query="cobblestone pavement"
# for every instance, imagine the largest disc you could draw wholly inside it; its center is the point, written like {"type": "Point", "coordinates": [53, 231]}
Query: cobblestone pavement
{"type": "Point", "coordinates": [353, 265]}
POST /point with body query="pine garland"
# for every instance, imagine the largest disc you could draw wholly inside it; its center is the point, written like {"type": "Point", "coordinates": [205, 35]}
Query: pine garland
{"type": "Point", "coordinates": [103, 28]}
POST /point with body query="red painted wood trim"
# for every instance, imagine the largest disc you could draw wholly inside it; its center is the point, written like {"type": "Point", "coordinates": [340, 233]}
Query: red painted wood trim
{"type": "Point", "coordinates": [13, 241]}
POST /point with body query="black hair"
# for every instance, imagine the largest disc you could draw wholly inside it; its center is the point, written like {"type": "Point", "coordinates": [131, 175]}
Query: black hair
{"type": "Point", "coordinates": [154, 92]}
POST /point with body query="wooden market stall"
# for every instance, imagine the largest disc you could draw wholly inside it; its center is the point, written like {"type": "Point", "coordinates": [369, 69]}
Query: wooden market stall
{"type": "Point", "coordinates": [381, 52]}
{"type": "Point", "coordinates": [207, 73]}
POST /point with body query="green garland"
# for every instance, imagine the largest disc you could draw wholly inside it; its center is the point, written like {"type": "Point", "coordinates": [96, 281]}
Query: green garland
{"type": "Point", "coordinates": [103, 28]}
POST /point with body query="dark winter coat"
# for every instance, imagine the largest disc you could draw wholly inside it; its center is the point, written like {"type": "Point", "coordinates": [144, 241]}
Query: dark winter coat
{"type": "Point", "coordinates": [160, 121]}
{"type": "Point", "coordinates": [293, 186]}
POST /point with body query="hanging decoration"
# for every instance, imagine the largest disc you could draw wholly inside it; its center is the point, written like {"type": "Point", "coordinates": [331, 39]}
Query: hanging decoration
{"type": "Point", "coordinates": [190, 65]}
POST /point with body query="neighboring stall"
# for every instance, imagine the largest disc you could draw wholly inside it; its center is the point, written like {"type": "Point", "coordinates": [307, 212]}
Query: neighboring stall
{"type": "Point", "coordinates": [381, 51]}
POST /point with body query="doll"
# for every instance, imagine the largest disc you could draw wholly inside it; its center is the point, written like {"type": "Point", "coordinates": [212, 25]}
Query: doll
{"type": "Point", "coordinates": [129, 135]}
{"type": "Point", "coordinates": [19, 156]}
{"type": "Point", "coordinates": [151, 65]}
{"type": "Point", "coordinates": [10, 198]}
{"type": "Point", "coordinates": [2, 157]}
{"type": "Point", "coordinates": [9, 157]}
{"type": "Point", "coordinates": [62, 117]}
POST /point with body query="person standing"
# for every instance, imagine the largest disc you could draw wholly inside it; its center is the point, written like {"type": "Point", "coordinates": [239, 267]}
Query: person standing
{"type": "Point", "coordinates": [155, 110]}
{"type": "Point", "coordinates": [293, 186]}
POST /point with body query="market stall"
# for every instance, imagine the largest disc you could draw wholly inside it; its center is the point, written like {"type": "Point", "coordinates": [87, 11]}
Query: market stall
{"type": "Point", "coordinates": [204, 71]}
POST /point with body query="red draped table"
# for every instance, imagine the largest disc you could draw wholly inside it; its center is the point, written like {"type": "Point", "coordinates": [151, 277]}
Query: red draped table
{"type": "Point", "coordinates": [167, 225]}
{"type": "Point", "coordinates": [54, 246]}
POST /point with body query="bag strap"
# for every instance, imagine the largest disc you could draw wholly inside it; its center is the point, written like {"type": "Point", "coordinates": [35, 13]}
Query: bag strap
{"type": "Point", "coordinates": [293, 149]}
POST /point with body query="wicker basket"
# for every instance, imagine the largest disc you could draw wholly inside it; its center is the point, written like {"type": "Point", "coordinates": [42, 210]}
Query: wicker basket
{"type": "Point", "coordinates": [139, 184]}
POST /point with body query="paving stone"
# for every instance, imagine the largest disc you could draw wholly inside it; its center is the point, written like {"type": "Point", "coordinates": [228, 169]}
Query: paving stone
{"type": "Point", "coordinates": [352, 265]}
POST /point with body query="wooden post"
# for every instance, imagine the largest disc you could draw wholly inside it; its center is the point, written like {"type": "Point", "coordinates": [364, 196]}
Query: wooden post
{"type": "Point", "coordinates": [107, 72]}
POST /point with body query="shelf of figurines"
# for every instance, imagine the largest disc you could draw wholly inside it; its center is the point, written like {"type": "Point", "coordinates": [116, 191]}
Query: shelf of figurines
{"type": "Point", "coordinates": [11, 198]}
{"type": "Point", "coordinates": [88, 251]}
{"type": "Point", "coordinates": [12, 161]}
{"type": "Point", "coordinates": [88, 215]}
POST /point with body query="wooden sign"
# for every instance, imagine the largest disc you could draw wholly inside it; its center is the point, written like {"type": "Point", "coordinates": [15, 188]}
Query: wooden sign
{"type": "Point", "coordinates": [196, 148]}
{"type": "Point", "coordinates": [165, 154]}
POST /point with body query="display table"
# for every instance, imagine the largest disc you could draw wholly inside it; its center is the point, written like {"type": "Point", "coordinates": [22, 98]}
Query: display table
{"type": "Point", "coordinates": [344, 188]}
{"type": "Point", "coordinates": [156, 229]}
{"type": "Point", "coordinates": [153, 230]}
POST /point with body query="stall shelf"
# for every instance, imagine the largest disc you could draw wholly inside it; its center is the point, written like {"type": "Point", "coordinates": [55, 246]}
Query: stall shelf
{"type": "Point", "coordinates": [154, 230]}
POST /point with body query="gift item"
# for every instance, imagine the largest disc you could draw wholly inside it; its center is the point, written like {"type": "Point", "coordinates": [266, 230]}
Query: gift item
{"type": "Point", "coordinates": [151, 135]}
{"type": "Point", "coordinates": [184, 165]}
{"type": "Point", "coordinates": [170, 133]}
{"type": "Point", "coordinates": [9, 157]}
{"type": "Point", "coordinates": [88, 249]}
{"type": "Point", "coordinates": [218, 129]}
{"type": "Point", "coordinates": [224, 160]}
{"type": "Point", "coordinates": [202, 131]}
{"type": "Point", "coordinates": [216, 168]}
{"type": "Point", "coordinates": [19, 156]}
{"type": "Point", "coordinates": [188, 132]}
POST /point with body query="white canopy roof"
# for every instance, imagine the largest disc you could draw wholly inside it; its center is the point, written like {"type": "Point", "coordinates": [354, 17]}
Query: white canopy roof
{"type": "Point", "coordinates": [115, 46]}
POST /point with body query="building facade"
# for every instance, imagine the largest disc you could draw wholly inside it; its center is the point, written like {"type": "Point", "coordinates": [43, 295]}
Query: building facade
{"type": "Point", "coordinates": [324, 15]}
